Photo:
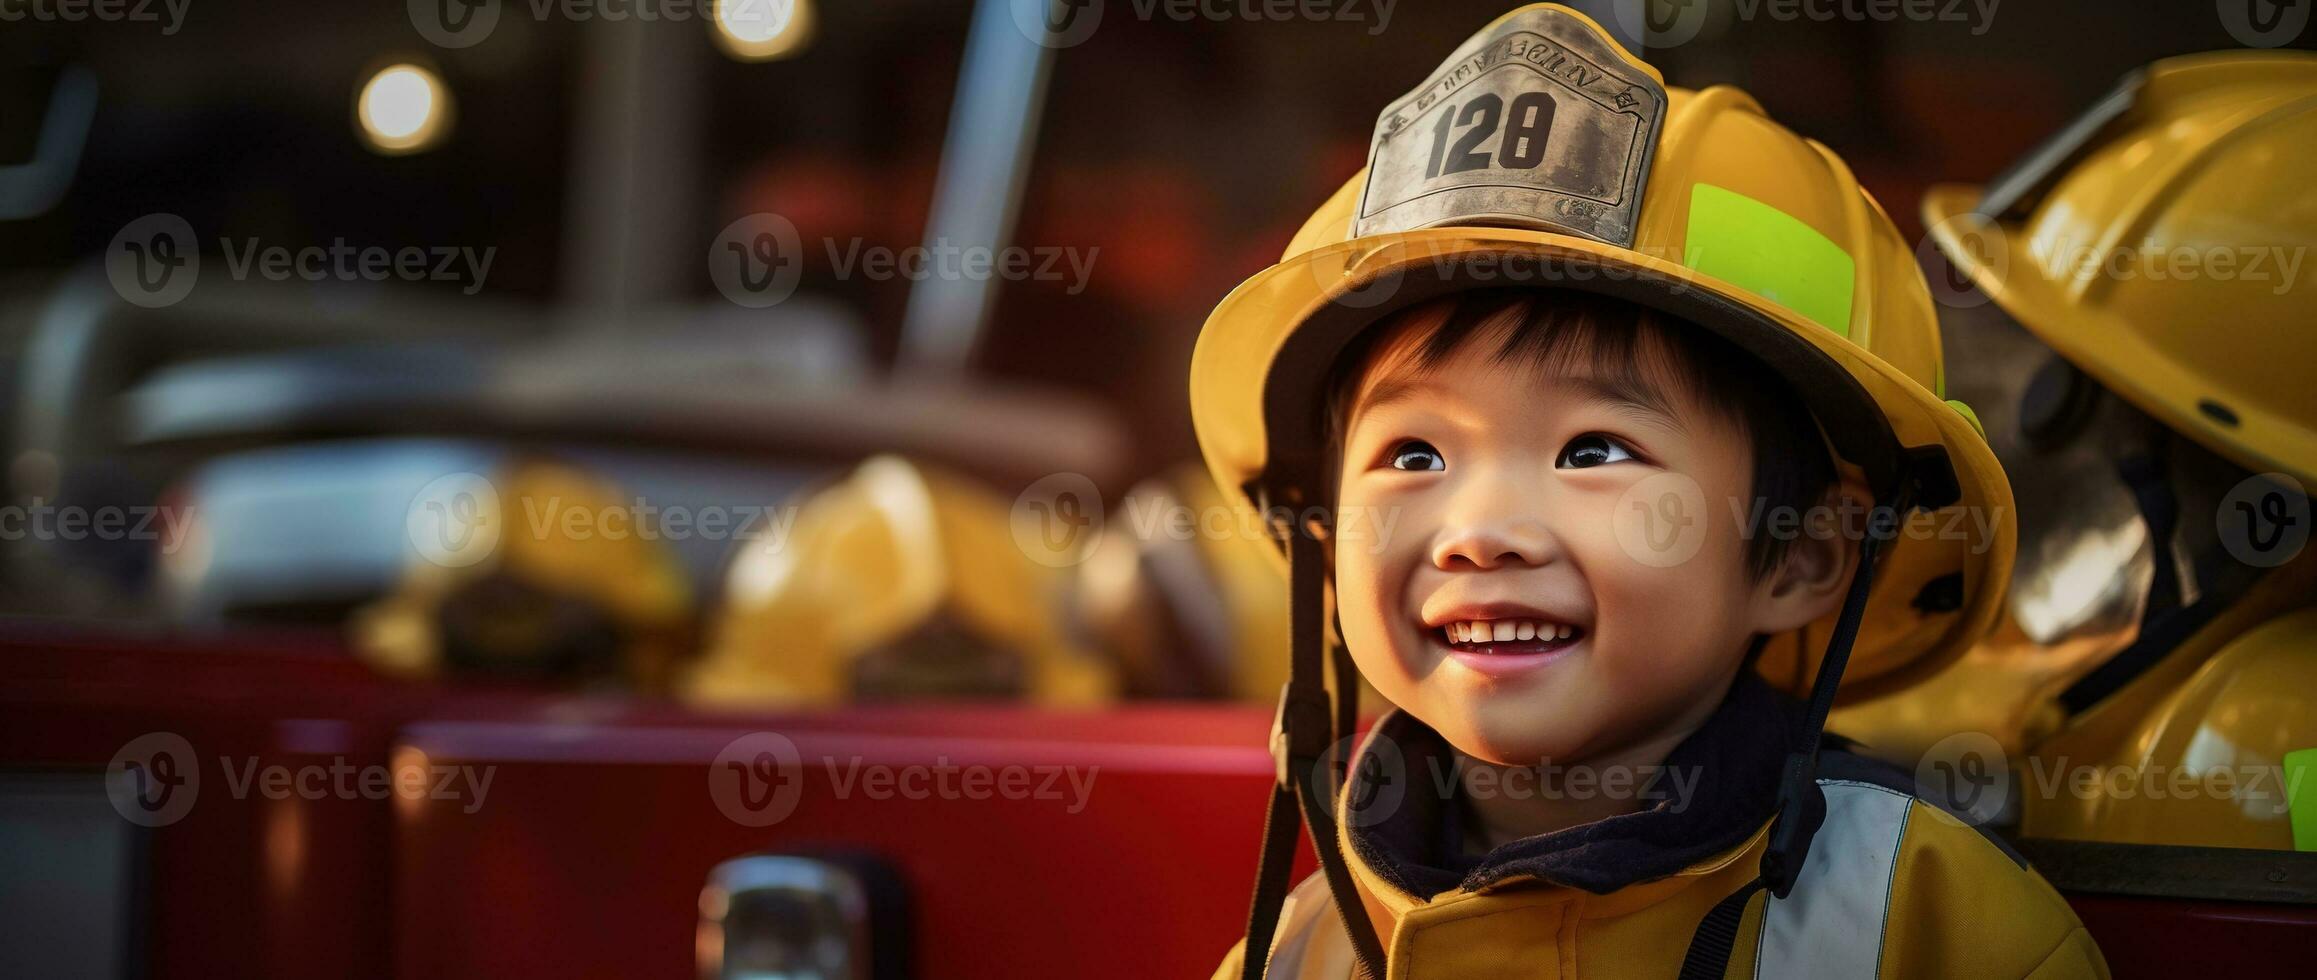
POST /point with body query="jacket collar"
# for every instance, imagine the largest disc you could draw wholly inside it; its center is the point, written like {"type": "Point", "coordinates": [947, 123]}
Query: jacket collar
{"type": "Point", "coordinates": [1713, 795]}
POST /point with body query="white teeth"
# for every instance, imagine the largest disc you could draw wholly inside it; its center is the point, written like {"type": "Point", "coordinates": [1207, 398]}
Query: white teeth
{"type": "Point", "coordinates": [1505, 631]}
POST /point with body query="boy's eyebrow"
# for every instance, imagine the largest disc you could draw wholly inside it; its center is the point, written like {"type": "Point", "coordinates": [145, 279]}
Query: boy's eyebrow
{"type": "Point", "coordinates": [1386, 392]}
{"type": "Point", "coordinates": [1632, 394]}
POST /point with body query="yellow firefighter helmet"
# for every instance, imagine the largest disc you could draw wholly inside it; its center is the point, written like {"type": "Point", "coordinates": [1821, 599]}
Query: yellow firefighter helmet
{"type": "Point", "coordinates": [2149, 245]}
{"type": "Point", "coordinates": [2154, 245]}
{"type": "Point", "coordinates": [898, 581]}
{"type": "Point", "coordinates": [1585, 172]}
{"type": "Point", "coordinates": [535, 572]}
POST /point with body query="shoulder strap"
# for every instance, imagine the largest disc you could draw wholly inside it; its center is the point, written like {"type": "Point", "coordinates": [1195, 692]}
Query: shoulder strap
{"type": "Point", "coordinates": [1303, 735]}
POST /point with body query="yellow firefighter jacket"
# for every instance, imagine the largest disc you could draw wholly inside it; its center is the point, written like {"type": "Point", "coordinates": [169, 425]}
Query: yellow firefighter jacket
{"type": "Point", "coordinates": [1892, 887]}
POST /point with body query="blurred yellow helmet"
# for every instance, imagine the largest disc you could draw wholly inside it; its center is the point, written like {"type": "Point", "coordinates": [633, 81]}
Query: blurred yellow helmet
{"type": "Point", "coordinates": [1185, 595]}
{"type": "Point", "coordinates": [1545, 155]}
{"type": "Point", "coordinates": [898, 581]}
{"type": "Point", "coordinates": [504, 585]}
{"type": "Point", "coordinates": [2156, 242]}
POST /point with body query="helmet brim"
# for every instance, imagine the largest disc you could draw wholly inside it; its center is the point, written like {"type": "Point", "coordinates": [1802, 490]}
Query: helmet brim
{"type": "Point", "coordinates": [2105, 346]}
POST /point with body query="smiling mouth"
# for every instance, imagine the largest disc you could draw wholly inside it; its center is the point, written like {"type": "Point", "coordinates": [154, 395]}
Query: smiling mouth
{"type": "Point", "coordinates": [1510, 636]}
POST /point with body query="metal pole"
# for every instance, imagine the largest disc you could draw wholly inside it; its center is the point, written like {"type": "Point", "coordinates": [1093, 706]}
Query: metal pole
{"type": "Point", "coordinates": [1001, 92]}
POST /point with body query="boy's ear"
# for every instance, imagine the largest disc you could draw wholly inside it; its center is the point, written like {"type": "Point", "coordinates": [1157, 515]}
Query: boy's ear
{"type": "Point", "coordinates": [1809, 584]}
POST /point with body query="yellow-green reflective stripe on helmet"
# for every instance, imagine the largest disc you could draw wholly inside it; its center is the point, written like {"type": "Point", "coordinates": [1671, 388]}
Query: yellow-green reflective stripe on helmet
{"type": "Point", "coordinates": [1747, 243]}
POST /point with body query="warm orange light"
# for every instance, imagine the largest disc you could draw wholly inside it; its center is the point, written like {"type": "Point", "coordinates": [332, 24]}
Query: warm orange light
{"type": "Point", "coordinates": [403, 109]}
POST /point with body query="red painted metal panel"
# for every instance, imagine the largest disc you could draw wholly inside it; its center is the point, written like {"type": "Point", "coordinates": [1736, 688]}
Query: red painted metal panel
{"type": "Point", "coordinates": [2158, 937]}
{"type": "Point", "coordinates": [593, 868]}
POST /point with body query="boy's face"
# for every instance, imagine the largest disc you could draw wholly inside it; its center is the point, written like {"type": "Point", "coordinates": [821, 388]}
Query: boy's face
{"type": "Point", "coordinates": [1515, 490]}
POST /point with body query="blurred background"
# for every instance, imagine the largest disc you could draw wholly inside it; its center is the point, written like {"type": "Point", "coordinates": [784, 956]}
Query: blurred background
{"type": "Point", "coordinates": [570, 176]}
{"type": "Point", "coordinates": [622, 363]}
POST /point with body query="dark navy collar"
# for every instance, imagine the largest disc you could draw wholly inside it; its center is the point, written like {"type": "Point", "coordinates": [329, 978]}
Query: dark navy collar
{"type": "Point", "coordinates": [1730, 766]}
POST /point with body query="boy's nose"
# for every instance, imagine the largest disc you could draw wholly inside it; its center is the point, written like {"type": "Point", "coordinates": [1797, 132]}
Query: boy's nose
{"type": "Point", "coordinates": [1494, 542]}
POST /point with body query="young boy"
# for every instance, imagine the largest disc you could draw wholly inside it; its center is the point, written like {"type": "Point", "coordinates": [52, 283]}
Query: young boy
{"type": "Point", "coordinates": [1647, 386]}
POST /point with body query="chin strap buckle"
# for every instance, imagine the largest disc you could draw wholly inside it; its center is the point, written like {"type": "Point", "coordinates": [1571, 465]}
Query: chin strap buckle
{"type": "Point", "coordinates": [1801, 811]}
{"type": "Point", "coordinates": [1298, 731]}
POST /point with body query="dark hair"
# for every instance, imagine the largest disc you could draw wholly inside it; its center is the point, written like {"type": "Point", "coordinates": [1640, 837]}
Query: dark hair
{"type": "Point", "coordinates": [1624, 345]}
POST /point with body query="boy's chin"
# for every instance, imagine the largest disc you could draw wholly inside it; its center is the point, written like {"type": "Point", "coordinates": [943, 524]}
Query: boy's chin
{"type": "Point", "coordinates": [1510, 742]}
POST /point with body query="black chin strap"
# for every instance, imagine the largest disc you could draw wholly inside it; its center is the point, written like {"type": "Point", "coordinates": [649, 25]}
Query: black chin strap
{"type": "Point", "coordinates": [1801, 804]}
{"type": "Point", "coordinates": [1308, 726]}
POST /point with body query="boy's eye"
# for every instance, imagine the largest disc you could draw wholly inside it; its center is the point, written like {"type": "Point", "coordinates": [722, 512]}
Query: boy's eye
{"type": "Point", "coordinates": [1416, 454]}
{"type": "Point", "coordinates": [1593, 449]}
